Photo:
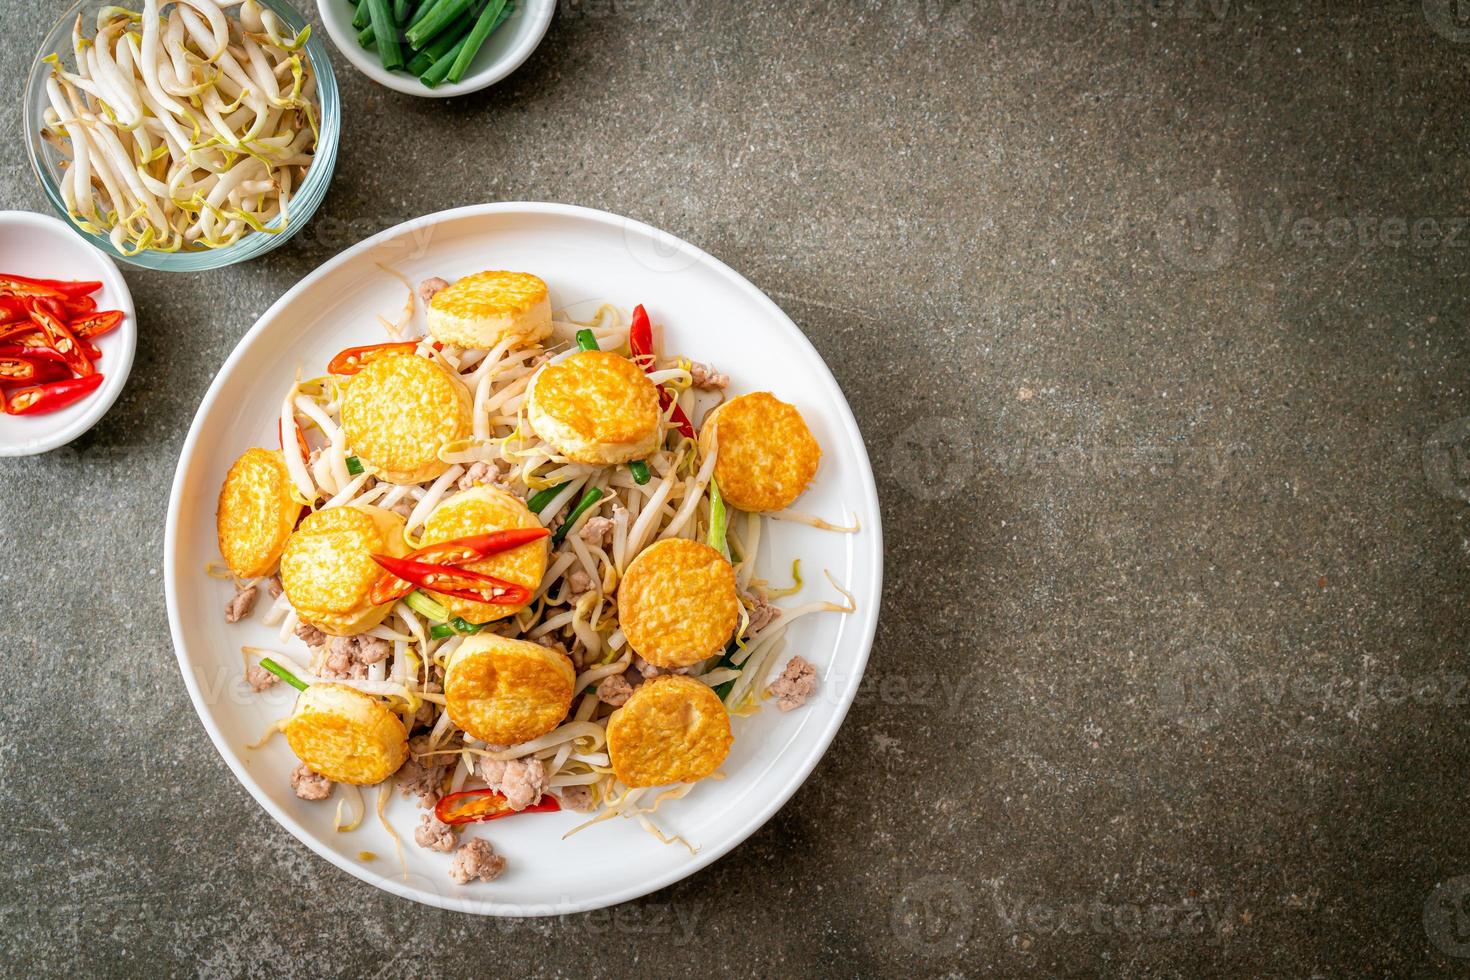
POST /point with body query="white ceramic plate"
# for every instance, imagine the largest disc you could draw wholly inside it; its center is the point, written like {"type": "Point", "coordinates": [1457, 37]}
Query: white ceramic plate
{"type": "Point", "coordinates": [43, 247]}
{"type": "Point", "coordinates": [706, 311]}
{"type": "Point", "coordinates": [502, 53]}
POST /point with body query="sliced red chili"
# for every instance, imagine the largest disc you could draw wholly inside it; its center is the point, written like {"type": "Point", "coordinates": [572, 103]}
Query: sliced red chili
{"type": "Point", "coordinates": [18, 370]}
{"type": "Point", "coordinates": [79, 306]}
{"type": "Point", "coordinates": [33, 339]}
{"type": "Point", "coordinates": [30, 365]}
{"type": "Point", "coordinates": [460, 551]}
{"type": "Point", "coordinates": [479, 805]}
{"type": "Point", "coordinates": [678, 417]}
{"type": "Point", "coordinates": [352, 360]}
{"type": "Point", "coordinates": [300, 441]}
{"type": "Point", "coordinates": [640, 336]}
{"type": "Point", "coordinates": [19, 286]}
{"type": "Point", "coordinates": [97, 324]}
{"type": "Point", "coordinates": [640, 342]}
{"type": "Point", "coordinates": [31, 353]}
{"type": "Point", "coordinates": [60, 338]}
{"type": "Point", "coordinates": [72, 287]}
{"type": "Point", "coordinates": [36, 399]}
{"type": "Point", "coordinates": [457, 583]}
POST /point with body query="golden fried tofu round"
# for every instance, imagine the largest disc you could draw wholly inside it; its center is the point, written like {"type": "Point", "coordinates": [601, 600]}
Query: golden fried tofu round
{"type": "Point", "coordinates": [257, 510]}
{"type": "Point", "coordinates": [677, 603]}
{"type": "Point", "coordinates": [674, 729]}
{"type": "Point", "coordinates": [398, 411]}
{"type": "Point", "coordinates": [595, 407]}
{"type": "Point", "coordinates": [481, 510]}
{"type": "Point", "coordinates": [328, 570]}
{"type": "Point", "coordinates": [488, 307]}
{"type": "Point", "coordinates": [505, 691]}
{"type": "Point", "coordinates": [767, 455]}
{"type": "Point", "coordinates": [345, 735]}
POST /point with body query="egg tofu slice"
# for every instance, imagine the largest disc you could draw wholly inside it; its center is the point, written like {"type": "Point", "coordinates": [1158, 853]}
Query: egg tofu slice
{"type": "Point", "coordinates": [767, 455]}
{"type": "Point", "coordinates": [481, 510]}
{"type": "Point", "coordinates": [677, 603]}
{"type": "Point", "coordinates": [595, 407]}
{"type": "Point", "coordinates": [328, 571]}
{"type": "Point", "coordinates": [399, 411]}
{"type": "Point", "coordinates": [256, 512]}
{"type": "Point", "coordinates": [345, 735]}
{"type": "Point", "coordinates": [674, 729]}
{"type": "Point", "coordinates": [505, 691]}
{"type": "Point", "coordinates": [483, 309]}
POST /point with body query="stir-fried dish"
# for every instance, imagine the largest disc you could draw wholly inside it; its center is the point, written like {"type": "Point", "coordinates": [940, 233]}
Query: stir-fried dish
{"type": "Point", "coordinates": [513, 565]}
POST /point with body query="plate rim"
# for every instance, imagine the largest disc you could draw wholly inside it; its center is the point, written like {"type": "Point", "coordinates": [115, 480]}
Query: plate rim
{"type": "Point", "coordinates": [627, 891]}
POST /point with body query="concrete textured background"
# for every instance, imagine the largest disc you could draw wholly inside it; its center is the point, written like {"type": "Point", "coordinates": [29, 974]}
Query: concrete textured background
{"type": "Point", "coordinates": [1154, 318]}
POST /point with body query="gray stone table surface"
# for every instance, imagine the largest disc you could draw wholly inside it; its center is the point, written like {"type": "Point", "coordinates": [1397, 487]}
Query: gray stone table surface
{"type": "Point", "coordinates": [1154, 318]}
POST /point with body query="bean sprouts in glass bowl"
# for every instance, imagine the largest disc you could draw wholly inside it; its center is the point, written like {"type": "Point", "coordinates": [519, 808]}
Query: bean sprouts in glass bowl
{"type": "Point", "coordinates": [51, 159]}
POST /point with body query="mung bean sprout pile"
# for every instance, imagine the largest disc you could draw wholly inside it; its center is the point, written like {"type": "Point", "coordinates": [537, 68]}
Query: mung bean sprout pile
{"type": "Point", "coordinates": [183, 131]}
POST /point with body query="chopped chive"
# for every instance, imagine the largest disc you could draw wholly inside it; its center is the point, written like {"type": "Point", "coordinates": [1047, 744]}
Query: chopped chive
{"type": "Point", "coordinates": [718, 520]}
{"type": "Point", "coordinates": [541, 498]}
{"type": "Point", "coordinates": [440, 46]}
{"type": "Point", "coordinates": [439, 70]}
{"type": "Point", "coordinates": [354, 465]}
{"type": "Point", "coordinates": [588, 499]}
{"type": "Point", "coordinates": [639, 469]}
{"type": "Point", "coordinates": [443, 14]}
{"type": "Point", "coordinates": [425, 606]}
{"type": "Point", "coordinates": [385, 32]}
{"type": "Point", "coordinates": [586, 340]}
{"type": "Point", "coordinates": [484, 24]}
{"type": "Point", "coordinates": [283, 673]}
{"type": "Point", "coordinates": [721, 690]}
{"type": "Point", "coordinates": [456, 626]}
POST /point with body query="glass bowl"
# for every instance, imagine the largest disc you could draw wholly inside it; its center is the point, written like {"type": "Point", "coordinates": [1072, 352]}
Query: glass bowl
{"type": "Point", "coordinates": [46, 160]}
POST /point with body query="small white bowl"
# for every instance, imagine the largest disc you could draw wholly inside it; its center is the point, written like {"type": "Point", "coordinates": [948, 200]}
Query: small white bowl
{"type": "Point", "coordinates": [43, 247]}
{"type": "Point", "coordinates": [502, 53]}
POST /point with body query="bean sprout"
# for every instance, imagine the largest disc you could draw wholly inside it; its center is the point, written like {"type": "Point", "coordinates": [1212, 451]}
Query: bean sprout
{"type": "Point", "coordinates": [186, 132]}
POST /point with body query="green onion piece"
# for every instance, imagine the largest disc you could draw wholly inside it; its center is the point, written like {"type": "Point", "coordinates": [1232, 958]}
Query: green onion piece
{"type": "Point", "coordinates": [283, 673]}
{"type": "Point", "coordinates": [420, 12]}
{"type": "Point", "coordinates": [401, 11]}
{"type": "Point", "coordinates": [588, 499]}
{"type": "Point", "coordinates": [639, 469]}
{"type": "Point", "coordinates": [586, 340]}
{"type": "Point", "coordinates": [462, 625]}
{"type": "Point", "coordinates": [439, 69]}
{"type": "Point", "coordinates": [354, 465]}
{"type": "Point", "coordinates": [422, 604]}
{"type": "Point", "coordinates": [458, 625]}
{"type": "Point", "coordinates": [367, 38]}
{"type": "Point", "coordinates": [441, 45]}
{"type": "Point", "coordinates": [541, 498]}
{"type": "Point", "coordinates": [362, 17]}
{"type": "Point", "coordinates": [385, 32]}
{"type": "Point", "coordinates": [721, 690]}
{"type": "Point", "coordinates": [719, 520]}
{"type": "Point", "coordinates": [484, 24]}
{"type": "Point", "coordinates": [443, 14]}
